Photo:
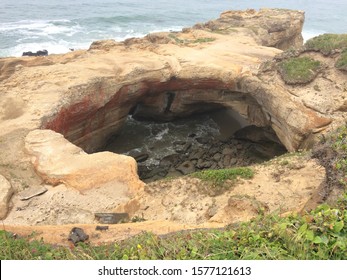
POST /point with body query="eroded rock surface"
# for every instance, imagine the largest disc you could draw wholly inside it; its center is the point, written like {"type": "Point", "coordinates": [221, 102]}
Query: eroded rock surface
{"type": "Point", "coordinates": [84, 97]}
{"type": "Point", "coordinates": [60, 162]}
{"type": "Point", "coordinates": [6, 192]}
{"type": "Point", "coordinates": [283, 185]}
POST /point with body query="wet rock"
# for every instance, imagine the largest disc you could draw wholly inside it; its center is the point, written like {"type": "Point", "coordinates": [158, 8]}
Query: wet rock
{"type": "Point", "coordinates": [186, 167]}
{"type": "Point", "coordinates": [197, 155]}
{"type": "Point", "coordinates": [182, 148]}
{"type": "Point", "coordinates": [112, 218]}
{"type": "Point", "coordinates": [170, 160]}
{"type": "Point", "coordinates": [217, 157]}
{"type": "Point", "coordinates": [226, 160]}
{"type": "Point", "coordinates": [227, 151]}
{"type": "Point", "coordinates": [179, 142]}
{"type": "Point", "coordinates": [139, 156]}
{"type": "Point", "coordinates": [6, 192]}
{"type": "Point", "coordinates": [77, 235]}
{"type": "Point", "coordinates": [239, 146]}
{"type": "Point", "coordinates": [213, 151]}
{"type": "Point", "coordinates": [203, 140]}
{"type": "Point", "coordinates": [204, 164]}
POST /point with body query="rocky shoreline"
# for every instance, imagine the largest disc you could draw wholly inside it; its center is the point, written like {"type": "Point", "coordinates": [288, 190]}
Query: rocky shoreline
{"type": "Point", "coordinates": [198, 153]}
{"type": "Point", "coordinates": [58, 111]}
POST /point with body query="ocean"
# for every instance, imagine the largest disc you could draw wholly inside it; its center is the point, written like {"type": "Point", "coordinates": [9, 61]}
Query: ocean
{"type": "Point", "coordinates": [60, 25]}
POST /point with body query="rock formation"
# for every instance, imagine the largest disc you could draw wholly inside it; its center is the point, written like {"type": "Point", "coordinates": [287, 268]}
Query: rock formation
{"type": "Point", "coordinates": [70, 165]}
{"type": "Point", "coordinates": [6, 192]}
{"type": "Point", "coordinates": [56, 108]}
{"type": "Point", "coordinates": [86, 95]}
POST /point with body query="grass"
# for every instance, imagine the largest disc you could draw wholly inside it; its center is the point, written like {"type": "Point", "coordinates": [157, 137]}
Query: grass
{"type": "Point", "coordinates": [320, 234]}
{"type": "Point", "coordinates": [327, 43]}
{"type": "Point", "coordinates": [299, 70]}
{"type": "Point", "coordinates": [221, 180]}
{"type": "Point", "coordinates": [219, 176]}
{"type": "Point", "coordinates": [341, 62]}
{"type": "Point", "coordinates": [187, 41]}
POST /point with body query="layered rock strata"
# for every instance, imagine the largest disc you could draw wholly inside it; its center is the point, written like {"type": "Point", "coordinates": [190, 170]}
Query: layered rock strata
{"type": "Point", "coordinates": [86, 95]}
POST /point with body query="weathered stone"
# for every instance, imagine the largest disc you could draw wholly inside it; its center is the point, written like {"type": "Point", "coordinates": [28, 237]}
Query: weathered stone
{"type": "Point", "coordinates": [77, 235]}
{"type": "Point", "coordinates": [227, 151]}
{"type": "Point", "coordinates": [58, 161]}
{"type": "Point", "coordinates": [202, 140]}
{"type": "Point", "coordinates": [204, 164]}
{"type": "Point", "coordinates": [170, 160]}
{"type": "Point", "coordinates": [112, 218]}
{"type": "Point", "coordinates": [139, 156]}
{"type": "Point", "coordinates": [31, 192]}
{"type": "Point", "coordinates": [226, 160]}
{"type": "Point", "coordinates": [217, 157]}
{"type": "Point", "coordinates": [197, 155]}
{"type": "Point", "coordinates": [86, 95]}
{"type": "Point", "coordinates": [186, 167]}
{"type": "Point", "coordinates": [213, 150]}
{"type": "Point", "coordinates": [182, 148]}
{"type": "Point", "coordinates": [6, 192]}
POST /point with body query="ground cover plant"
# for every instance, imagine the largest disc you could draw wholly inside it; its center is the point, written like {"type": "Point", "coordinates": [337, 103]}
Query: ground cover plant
{"type": "Point", "coordinates": [317, 234]}
{"type": "Point", "coordinates": [299, 70]}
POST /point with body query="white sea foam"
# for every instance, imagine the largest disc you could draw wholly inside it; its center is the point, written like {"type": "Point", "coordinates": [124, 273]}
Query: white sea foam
{"type": "Point", "coordinates": [160, 135]}
{"type": "Point", "coordinates": [308, 34]}
{"type": "Point", "coordinates": [78, 24]}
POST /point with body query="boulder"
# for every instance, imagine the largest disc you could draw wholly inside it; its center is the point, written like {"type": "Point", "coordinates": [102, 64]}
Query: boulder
{"type": "Point", "coordinates": [38, 53]}
{"type": "Point", "coordinates": [186, 167]}
{"type": "Point", "coordinates": [6, 192]}
{"type": "Point", "coordinates": [58, 161]}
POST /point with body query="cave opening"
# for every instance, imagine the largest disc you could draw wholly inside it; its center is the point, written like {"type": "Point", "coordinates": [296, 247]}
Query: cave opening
{"type": "Point", "coordinates": [212, 138]}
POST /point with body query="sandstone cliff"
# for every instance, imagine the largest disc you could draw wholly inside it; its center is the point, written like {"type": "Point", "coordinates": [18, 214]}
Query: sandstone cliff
{"type": "Point", "coordinates": [86, 96]}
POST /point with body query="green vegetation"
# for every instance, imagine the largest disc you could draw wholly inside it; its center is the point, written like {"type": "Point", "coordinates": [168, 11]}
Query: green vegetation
{"type": "Point", "coordinates": [221, 180]}
{"type": "Point", "coordinates": [187, 41]}
{"type": "Point", "coordinates": [203, 40]}
{"type": "Point", "coordinates": [338, 141]}
{"type": "Point", "coordinates": [299, 70]}
{"type": "Point", "coordinates": [341, 63]}
{"type": "Point", "coordinates": [224, 31]}
{"type": "Point", "coordinates": [327, 43]}
{"type": "Point", "coordinates": [219, 176]}
{"type": "Point", "coordinates": [318, 234]}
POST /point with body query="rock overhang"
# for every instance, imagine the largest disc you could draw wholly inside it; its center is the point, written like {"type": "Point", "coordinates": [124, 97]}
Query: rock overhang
{"type": "Point", "coordinates": [86, 95]}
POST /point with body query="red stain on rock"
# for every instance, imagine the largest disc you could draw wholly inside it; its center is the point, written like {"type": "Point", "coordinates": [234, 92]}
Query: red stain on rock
{"type": "Point", "coordinates": [100, 109]}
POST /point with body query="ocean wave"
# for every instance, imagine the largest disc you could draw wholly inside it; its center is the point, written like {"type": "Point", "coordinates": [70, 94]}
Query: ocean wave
{"type": "Point", "coordinates": [308, 34]}
{"type": "Point", "coordinates": [52, 47]}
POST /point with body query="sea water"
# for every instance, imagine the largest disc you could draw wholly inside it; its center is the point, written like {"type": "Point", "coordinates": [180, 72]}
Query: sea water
{"type": "Point", "coordinates": [61, 25]}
